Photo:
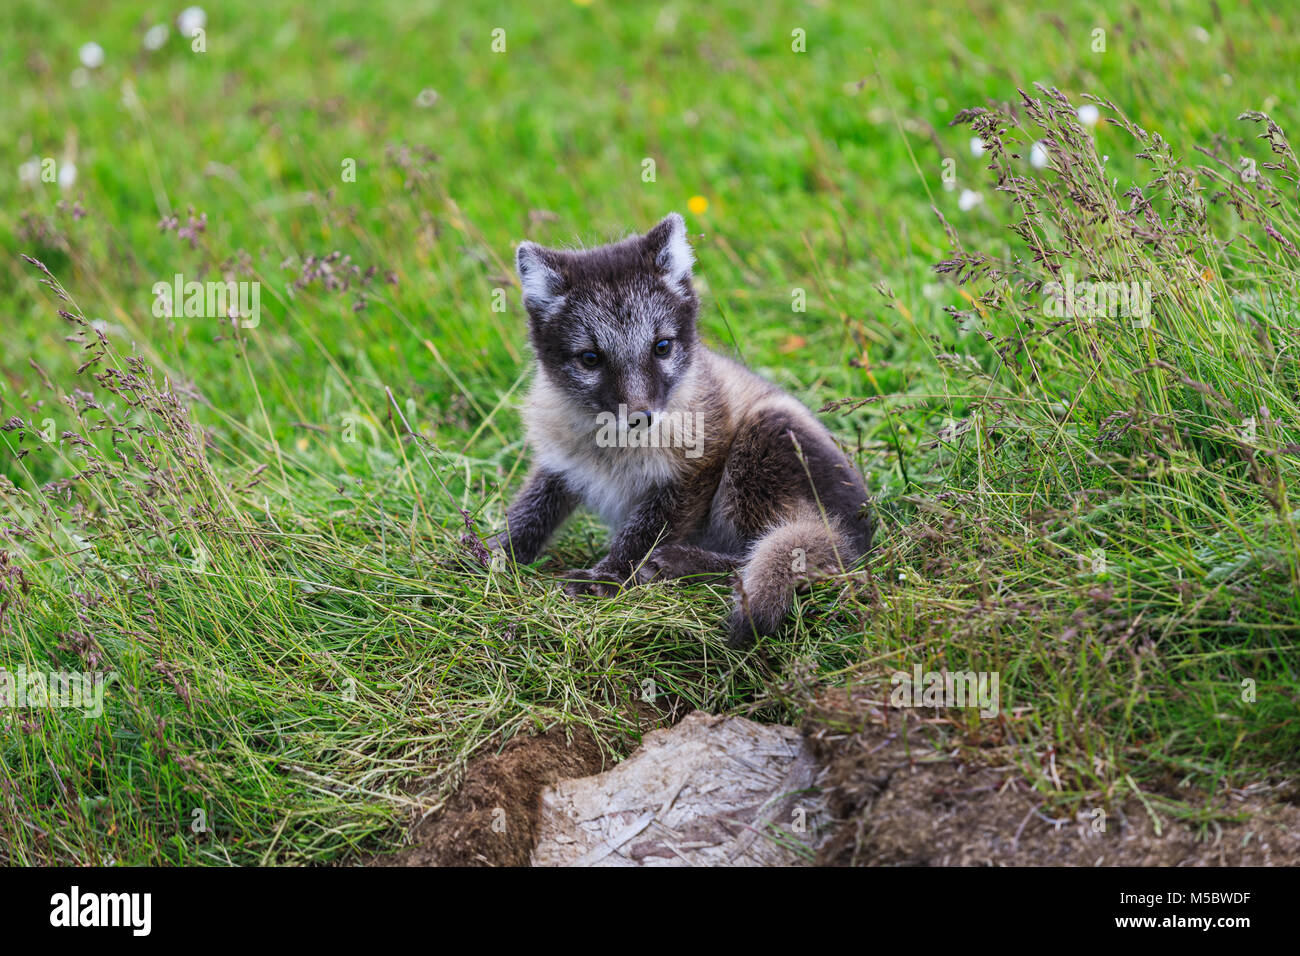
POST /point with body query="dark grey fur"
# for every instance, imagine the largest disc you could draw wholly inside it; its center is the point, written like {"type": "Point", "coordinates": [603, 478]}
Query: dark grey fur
{"type": "Point", "coordinates": [769, 480]}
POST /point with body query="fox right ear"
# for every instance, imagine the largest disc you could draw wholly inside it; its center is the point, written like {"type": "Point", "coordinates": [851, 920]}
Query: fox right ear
{"type": "Point", "coordinates": [542, 283]}
{"type": "Point", "coordinates": [671, 249]}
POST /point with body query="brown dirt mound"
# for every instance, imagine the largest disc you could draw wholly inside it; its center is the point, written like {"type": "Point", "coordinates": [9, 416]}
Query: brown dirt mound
{"type": "Point", "coordinates": [891, 794]}
{"type": "Point", "coordinates": [899, 802]}
{"type": "Point", "coordinates": [491, 820]}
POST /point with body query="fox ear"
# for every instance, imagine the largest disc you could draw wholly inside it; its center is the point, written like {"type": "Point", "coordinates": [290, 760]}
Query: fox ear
{"type": "Point", "coordinates": [542, 283]}
{"type": "Point", "coordinates": [672, 252]}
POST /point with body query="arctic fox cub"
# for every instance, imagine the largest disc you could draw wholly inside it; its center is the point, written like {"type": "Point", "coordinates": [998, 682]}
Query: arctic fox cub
{"type": "Point", "coordinates": [697, 465]}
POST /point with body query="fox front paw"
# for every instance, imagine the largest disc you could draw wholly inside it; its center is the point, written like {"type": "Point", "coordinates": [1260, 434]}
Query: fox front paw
{"type": "Point", "coordinates": [648, 570]}
{"type": "Point", "coordinates": [590, 582]}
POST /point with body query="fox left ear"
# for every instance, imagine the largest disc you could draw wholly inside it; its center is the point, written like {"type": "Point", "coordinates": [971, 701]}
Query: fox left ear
{"type": "Point", "coordinates": [672, 252]}
{"type": "Point", "coordinates": [542, 283]}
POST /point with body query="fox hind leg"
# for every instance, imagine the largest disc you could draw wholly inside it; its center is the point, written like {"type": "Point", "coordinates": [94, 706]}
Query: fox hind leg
{"type": "Point", "coordinates": [669, 561]}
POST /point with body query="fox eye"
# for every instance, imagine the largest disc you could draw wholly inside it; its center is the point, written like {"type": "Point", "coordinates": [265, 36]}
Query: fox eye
{"type": "Point", "coordinates": [663, 347]}
{"type": "Point", "coordinates": [589, 359]}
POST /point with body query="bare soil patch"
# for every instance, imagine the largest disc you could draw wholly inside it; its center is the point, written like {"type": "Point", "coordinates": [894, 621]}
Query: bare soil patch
{"type": "Point", "coordinates": [887, 794]}
{"type": "Point", "coordinates": [895, 801]}
{"type": "Point", "coordinates": [491, 819]}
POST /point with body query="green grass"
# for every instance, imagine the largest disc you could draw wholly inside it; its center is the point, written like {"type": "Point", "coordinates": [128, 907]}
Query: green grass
{"type": "Point", "coordinates": [1084, 508]}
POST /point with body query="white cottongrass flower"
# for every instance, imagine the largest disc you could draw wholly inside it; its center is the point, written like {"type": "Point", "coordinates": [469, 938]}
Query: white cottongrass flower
{"type": "Point", "coordinates": [1038, 155]}
{"type": "Point", "coordinates": [968, 200]}
{"type": "Point", "coordinates": [976, 147]}
{"type": "Point", "coordinates": [1089, 115]}
{"type": "Point", "coordinates": [67, 175]}
{"type": "Point", "coordinates": [91, 55]}
{"type": "Point", "coordinates": [29, 173]}
{"type": "Point", "coordinates": [155, 37]}
{"type": "Point", "coordinates": [427, 97]}
{"type": "Point", "coordinates": [191, 19]}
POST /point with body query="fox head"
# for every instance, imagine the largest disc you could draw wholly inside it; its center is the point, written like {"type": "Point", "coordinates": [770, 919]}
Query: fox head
{"type": "Point", "coordinates": [614, 326]}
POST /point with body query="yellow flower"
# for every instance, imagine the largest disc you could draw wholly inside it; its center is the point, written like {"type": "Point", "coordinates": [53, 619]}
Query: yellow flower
{"type": "Point", "coordinates": [698, 205]}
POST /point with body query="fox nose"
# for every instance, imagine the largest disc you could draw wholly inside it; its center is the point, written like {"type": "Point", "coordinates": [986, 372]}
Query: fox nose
{"type": "Point", "coordinates": [639, 419]}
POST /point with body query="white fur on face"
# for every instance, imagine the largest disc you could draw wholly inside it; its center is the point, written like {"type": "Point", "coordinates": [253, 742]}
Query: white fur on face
{"type": "Point", "coordinates": [541, 283]}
